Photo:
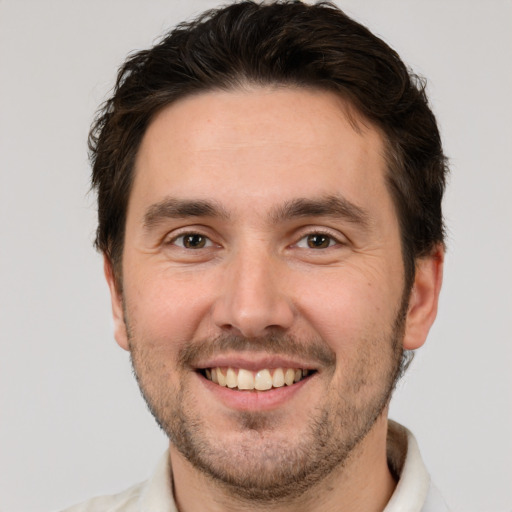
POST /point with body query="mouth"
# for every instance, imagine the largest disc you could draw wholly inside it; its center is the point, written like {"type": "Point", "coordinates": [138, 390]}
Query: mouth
{"type": "Point", "coordinates": [265, 379]}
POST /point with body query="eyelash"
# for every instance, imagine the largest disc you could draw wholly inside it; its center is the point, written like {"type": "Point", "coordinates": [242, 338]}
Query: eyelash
{"type": "Point", "coordinates": [183, 236]}
{"type": "Point", "coordinates": [333, 240]}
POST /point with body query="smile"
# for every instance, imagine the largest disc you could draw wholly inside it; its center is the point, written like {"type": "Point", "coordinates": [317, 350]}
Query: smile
{"type": "Point", "coordinates": [261, 380]}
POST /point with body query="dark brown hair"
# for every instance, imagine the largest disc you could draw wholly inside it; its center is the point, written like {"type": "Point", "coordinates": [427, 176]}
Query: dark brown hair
{"type": "Point", "coordinates": [285, 43]}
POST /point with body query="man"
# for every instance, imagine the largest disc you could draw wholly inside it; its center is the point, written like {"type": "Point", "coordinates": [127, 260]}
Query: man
{"type": "Point", "coordinates": [269, 183]}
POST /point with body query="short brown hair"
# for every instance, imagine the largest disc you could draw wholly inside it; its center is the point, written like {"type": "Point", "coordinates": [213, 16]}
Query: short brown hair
{"type": "Point", "coordinates": [288, 43]}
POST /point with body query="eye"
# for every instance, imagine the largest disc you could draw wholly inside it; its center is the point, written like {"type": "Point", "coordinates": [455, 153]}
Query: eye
{"type": "Point", "coordinates": [192, 241]}
{"type": "Point", "coordinates": [316, 241]}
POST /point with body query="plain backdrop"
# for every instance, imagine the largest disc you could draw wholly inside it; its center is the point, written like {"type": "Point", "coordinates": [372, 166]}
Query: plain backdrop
{"type": "Point", "coordinates": [72, 423]}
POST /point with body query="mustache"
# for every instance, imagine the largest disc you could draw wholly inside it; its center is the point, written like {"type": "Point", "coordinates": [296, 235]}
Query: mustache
{"type": "Point", "coordinates": [315, 350]}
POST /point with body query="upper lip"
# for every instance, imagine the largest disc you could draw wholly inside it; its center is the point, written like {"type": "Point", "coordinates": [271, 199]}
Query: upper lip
{"type": "Point", "coordinates": [254, 362]}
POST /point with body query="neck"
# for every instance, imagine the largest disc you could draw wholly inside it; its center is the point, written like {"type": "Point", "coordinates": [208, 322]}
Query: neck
{"type": "Point", "coordinates": [363, 483]}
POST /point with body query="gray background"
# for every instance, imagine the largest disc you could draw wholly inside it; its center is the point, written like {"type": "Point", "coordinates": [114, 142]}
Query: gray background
{"type": "Point", "coordinates": [72, 423]}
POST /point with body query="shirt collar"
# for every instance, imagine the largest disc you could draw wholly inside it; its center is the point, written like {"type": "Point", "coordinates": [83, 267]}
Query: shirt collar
{"type": "Point", "coordinates": [157, 495]}
{"type": "Point", "coordinates": [405, 462]}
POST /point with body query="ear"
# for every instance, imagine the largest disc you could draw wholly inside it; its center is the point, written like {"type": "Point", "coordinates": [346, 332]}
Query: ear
{"type": "Point", "coordinates": [424, 298]}
{"type": "Point", "coordinates": [120, 332]}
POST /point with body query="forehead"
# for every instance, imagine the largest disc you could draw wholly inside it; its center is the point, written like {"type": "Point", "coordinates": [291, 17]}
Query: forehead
{"type": "Point", "coordinates": [258, 146]}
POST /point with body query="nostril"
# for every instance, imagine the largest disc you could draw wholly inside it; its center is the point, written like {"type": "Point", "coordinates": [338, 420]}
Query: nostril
{"type": "Point", "coordinates": [250, 306]}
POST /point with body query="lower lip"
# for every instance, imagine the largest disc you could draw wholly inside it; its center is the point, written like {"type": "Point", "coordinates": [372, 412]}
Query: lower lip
{"type": "Point", "coordinates": [254, 400]}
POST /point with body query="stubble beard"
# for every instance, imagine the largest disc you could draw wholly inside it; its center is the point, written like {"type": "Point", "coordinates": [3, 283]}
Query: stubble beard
{"type": "Point", "coordinates": [258, 463]}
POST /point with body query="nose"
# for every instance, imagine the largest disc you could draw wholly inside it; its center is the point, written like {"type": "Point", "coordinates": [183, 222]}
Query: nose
{"type": "Point", "coordinates": [253, 298]}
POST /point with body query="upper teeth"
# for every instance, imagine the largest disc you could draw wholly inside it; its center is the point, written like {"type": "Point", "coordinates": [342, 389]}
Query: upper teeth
{"type": "Point", "coordinates": [261, 380]}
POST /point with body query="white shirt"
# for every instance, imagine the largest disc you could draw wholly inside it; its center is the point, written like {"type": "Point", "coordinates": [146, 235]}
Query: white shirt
{"type": "Point", "coordinates": [414, 491]}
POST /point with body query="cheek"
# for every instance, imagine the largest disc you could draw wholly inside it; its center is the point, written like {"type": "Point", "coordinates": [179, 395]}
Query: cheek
{"type": "Point", "coordinates": [346, 309]}
{"type": "Point", "coordinates": [167, 310]}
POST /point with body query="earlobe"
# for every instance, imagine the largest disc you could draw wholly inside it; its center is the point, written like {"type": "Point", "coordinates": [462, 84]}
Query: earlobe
{"type": "Point", "coordinates": [120, 332]}
{"type": "Point", "coordinates": [424, 298]}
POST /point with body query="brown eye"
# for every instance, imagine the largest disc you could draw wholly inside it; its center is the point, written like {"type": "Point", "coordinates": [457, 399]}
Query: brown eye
{"type": "Point", "coordinates": [192, 241]}
{"type": "Point", "coordinates": [318, 241]}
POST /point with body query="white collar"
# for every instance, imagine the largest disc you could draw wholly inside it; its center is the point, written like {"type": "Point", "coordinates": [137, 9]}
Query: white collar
{"type": "Point", "coordinates": [405, 462]}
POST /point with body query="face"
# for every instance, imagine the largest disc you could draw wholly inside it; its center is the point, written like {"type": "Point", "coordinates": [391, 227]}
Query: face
{"type": "Point", "coordinates": [263, 289]}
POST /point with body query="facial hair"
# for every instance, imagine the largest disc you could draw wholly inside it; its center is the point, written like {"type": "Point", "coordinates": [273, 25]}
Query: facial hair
{"type": "Point", "coordinates": [259, 463]}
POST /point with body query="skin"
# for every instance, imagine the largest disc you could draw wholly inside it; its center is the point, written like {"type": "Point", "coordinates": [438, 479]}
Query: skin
{"type": "Point", "coordinates": [256, 290]}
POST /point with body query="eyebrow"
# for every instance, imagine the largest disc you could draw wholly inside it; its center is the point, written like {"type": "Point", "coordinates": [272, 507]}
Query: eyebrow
{"type": "Point", "coordinates": [172, 208]}
{"type": "Point", "coordinates": [334, 206]}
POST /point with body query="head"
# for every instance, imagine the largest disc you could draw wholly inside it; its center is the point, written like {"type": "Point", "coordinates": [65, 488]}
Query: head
{"type": "Point", "coordinates": [269, 186]}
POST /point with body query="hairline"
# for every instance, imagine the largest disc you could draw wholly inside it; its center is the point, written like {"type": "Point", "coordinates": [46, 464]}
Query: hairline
{"type": "Point", "coordinates": [356, 118]}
